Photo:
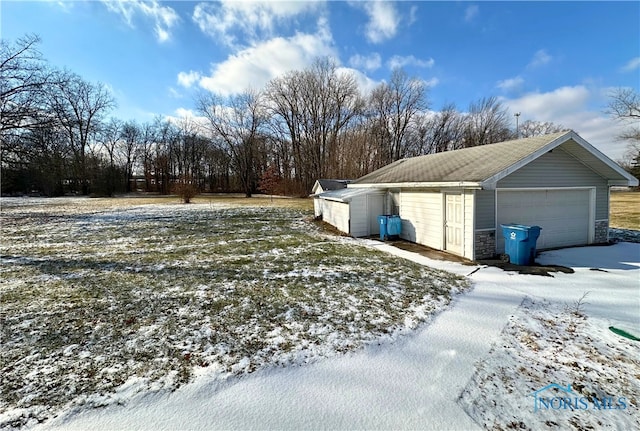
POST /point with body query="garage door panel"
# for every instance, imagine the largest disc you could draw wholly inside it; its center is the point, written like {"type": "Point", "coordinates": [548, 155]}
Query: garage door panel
{"type": "Point", "coordinates": [564, 215]}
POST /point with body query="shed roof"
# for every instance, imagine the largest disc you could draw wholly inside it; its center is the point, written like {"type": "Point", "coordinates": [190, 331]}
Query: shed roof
{"type": "Point", "coordinates": [485, 165]}
{"type": "Point", "coordinates": [346, 195]}
{"type": "Point", "coordinates": [333, 184]}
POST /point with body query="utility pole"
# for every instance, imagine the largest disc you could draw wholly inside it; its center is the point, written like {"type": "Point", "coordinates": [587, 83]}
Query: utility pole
{"type": "Point", "coordinates": [517, 115]}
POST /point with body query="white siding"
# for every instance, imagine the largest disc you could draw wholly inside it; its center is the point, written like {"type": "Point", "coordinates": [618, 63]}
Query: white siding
{"type": "Point", "coordinates": [365, 210]}
{"type": "Point", "coordinates": [336, 214]}
{"type": "Point", "coordinates": [422, 218]}
{"type": "Point", "coordinates": [375, 205]}
{"type": "Point", "coordinates": [468, 224]}
{"type": "Point", "coordinates": [359, 216]}
{"type": "Point", "coordinates": [317, 207]}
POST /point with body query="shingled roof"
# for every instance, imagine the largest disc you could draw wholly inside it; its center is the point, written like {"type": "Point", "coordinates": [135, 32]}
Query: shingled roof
{"type": "Point", "coordinates": [488, 163]}
{"type": "Point", "coordinates": [333, 184]}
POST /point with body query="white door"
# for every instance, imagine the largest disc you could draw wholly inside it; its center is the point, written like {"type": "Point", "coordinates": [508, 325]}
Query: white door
{"type": "Point", "coordinates": [453, 223]}
{"type": "Point", "coordinates": [564, 215]}
{"type": "Point", "coordinates": [375, 207]}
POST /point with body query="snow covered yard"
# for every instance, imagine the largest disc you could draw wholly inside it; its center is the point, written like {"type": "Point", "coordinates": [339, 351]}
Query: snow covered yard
{"type": "Point", "coordinates": [559, 335]}
{"type": "Point", "coordinates": [102, 299]}
{"type": "Point", "coordinates": [542, 344]}
{"type": "Point", "coordinates": [476, 365]}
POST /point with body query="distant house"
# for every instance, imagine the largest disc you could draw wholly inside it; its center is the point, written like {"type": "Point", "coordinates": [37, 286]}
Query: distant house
{"type": "Point", "coordinates": [457, 200]}
{"type": "Point", "coordinates": [322, 186]}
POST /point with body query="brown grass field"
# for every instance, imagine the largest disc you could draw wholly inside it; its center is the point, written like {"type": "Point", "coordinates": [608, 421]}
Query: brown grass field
{"type": "Point", "coordinates": [625, 210]}
{"type": "Point", "coordinates": [624, 206]}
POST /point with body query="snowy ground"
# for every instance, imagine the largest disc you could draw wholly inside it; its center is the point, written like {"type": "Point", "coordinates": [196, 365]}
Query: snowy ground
{"type": "Point", "coordinates": [105, 299]}
{"type": "Point", "coordinates": [476, 365]}
{"type": "Point", "coordinates": [627, 235]}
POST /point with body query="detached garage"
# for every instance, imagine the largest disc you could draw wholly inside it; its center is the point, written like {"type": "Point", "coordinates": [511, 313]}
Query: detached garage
{"type": "Point", "coordinates": [457, 200]}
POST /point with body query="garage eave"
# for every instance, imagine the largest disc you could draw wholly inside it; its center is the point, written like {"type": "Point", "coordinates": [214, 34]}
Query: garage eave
{"type": "Point", "coordinates": [624, 183]}
{"type": "Point", "coordinates": [421, 185]}
{"type": "Point", "coordinates": [586, 153]}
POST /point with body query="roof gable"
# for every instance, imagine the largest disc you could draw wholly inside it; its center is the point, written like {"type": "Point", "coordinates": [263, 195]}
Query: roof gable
{"type": "Point", "coordinates": [327, 184]}
{"type": "Point", "coordinates": [487, 164]}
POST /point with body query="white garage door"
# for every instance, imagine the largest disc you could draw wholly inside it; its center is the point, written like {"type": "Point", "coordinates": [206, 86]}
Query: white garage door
{"type": "Point", "coordinates": [564, 215]}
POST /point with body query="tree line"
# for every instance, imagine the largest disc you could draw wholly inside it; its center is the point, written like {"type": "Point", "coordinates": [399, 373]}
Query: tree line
{"type": "Point", "coordinates": [57, 136]}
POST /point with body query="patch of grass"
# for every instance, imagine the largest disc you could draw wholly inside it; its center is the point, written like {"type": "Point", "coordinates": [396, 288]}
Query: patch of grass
{"type": "Point", "coordinates": [624, 210]}
{"type": "Point", "coordinates": [96, 293]}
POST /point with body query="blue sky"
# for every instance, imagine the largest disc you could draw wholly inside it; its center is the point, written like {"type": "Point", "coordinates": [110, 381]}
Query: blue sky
{"type": "Point", "coordinates": [551, 61]}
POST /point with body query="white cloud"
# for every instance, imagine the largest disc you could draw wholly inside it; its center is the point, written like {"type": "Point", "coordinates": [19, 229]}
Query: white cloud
{"type": "Point", "coordinates": [175, 93]}
{"type": "Point", "coordinates": [571, 107]}
{"type": "Point", "coordinates": [511, 84]}
{"type": "Point", "coordinates": [430, 83]}
{"type": "Point", "coordinates": [632, 65]}
{"type": "Point", "coordinates": [413, 15]}
{"type": "Point", "coordinates": [253, 67]}
{"type": "Point", "coordinates": [124, 8]}
{"type": "Point", "coordinates": [471, 12]}
{"type": "Point", "coordinates": [246, 22]}
{"type": "Point", "coordinates": [163, 17]}
{"type": "Point", "coordinates": [410, 60]}
{"type": "Point", "coordinates": [185, 113]}
{"type": "Point", "coordinates": [383, 20]}
{"type": "Point", "coordinates": [540, 58]}
{"type": "Point", "coordinates": [370, 62]}
{"type": "Point", "coordinates": [365, 84]}
{"type": "Point", "coordinates": [189, 120]}
{"type": "Point", "coordinates": [187, 79]}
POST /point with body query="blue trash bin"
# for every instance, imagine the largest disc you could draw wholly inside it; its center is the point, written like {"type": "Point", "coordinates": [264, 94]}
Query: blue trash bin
{"type": "Point", "coordinates": [382, 221]}
{"type": "Point", "coordinates": [390, 225]}
{"type": "Point", "coordinates": [520, 242]}
{"type": "Point", "coordinates": [394, 225]}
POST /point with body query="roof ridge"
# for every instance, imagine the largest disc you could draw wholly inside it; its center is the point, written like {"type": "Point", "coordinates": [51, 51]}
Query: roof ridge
{"type": "Point", "coordinates": [466, 164]}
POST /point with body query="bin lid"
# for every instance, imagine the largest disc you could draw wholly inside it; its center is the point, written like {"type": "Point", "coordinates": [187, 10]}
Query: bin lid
{"type": "Point", "coordinates": [515, 226]}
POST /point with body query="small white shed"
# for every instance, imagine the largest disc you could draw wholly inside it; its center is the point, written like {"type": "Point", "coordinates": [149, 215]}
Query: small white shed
{"type": "Point", "coordinates": [352, 211]}
{"type": "Point", "coordinates": [324, 185]}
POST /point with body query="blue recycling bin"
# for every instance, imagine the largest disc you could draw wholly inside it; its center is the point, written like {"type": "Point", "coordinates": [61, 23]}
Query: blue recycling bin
{"type": "Point", "coordinates": [390, 225]}
{"type": "Point", "coordinates": [382, 222]}
{"type": "Point", "coordinates": [394, 225]}
{"type": "Point", "coordinates": [520, 242]}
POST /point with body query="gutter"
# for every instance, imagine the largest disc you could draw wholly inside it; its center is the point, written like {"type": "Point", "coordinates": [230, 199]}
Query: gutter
{"type": "Point", "coordinates": [415, 185]}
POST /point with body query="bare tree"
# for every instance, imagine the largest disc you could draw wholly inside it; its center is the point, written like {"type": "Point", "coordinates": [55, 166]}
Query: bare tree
{"type": "Point", "coordinates": [624, 106]}
{"type": "Point", "coordinates": [486, 123]}
{"type": "Point", "coordinates": [166, 137]}
{"type": "Point", "coordinates": [237, 124]}
{"type": "Point", "coordinates": [128, 150]}
{"type": "Point", "coordinates": [109, 137]}
{"type": "Point", "coordinates": [78, 107]}
{"type": "Point", "coordinates": [392, 108]}
{"type": "Point", "coordinates": [532, 128]}
{"type": "Point", "coordinates": [435, 132]}
{"type": "Point", "coordinates": [315, 106]}
{"type": "Point", "coordinates": [24, 79]}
